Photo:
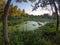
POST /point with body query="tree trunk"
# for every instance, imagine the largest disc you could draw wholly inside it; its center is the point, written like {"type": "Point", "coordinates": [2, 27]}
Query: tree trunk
{"type": "Point", "coordinates": [5, 22]}
{"type": "Point", "coordinates": [57, 23]}
{"type": "Point", "coordinates": [57, 18]}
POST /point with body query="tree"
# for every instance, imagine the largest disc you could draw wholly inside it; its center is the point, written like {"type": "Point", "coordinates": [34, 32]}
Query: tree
{"type": "Point", "coordinates": [5, 23]}
{"type": "Point", "coordinates": [1, 2]}
{"type": "Point", "coordinates": [52, 3]}
{"type": "Point", "coordinates": [1, 8]}
{"type": "Point", "coordinates": [23, 13]}
{"type": "Point", "coordinates": [5, 19]}
{"type": "Point", "coordinates": [13, 10]}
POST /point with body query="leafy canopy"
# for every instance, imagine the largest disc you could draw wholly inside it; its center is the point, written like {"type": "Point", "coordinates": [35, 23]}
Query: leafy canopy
{"type": "Point", "coordinates": [44, 3]}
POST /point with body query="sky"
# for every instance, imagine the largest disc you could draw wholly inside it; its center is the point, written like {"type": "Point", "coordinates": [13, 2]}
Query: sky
{"type": "Point", "coordinates": [28, 8]}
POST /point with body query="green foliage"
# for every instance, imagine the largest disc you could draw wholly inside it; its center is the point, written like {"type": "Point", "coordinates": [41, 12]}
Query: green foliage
{"type": "Point", "coordinates": [14, 11]}
{"type": "Point", "coordinates": [1, 8]}
{"type": "Point", "coordinates": [1, 2]}
{"type": "Point", "coordinates": [45, 35]}
{"type": "Point", "coordinates": [42, 36]}
{"type": "Point", "coordinates": [49, 27]}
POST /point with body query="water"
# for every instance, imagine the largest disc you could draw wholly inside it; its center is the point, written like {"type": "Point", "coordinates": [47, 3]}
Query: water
{"type": "Point", "coordinates": [31, 25]}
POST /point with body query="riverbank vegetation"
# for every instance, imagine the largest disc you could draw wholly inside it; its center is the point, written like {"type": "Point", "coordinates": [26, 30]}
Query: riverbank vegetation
{"type": "Point", "coordinates": [45, 35]}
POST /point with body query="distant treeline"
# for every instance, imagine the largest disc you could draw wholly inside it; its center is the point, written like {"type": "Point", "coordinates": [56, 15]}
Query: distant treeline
{"type": "Point", "coordinates": [15, 12]}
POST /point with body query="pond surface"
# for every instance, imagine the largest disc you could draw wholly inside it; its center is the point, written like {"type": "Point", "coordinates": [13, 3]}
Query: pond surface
{"type": "Point", "coordinates": [31, 25]}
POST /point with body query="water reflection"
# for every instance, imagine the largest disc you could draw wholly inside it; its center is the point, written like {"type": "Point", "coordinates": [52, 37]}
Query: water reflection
{"type": "Point", "coordinates": [31, 25]}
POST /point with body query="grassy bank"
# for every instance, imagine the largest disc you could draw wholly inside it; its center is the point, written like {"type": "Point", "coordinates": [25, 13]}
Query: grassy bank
{"type": "Point", "coordinates": [45, 35]}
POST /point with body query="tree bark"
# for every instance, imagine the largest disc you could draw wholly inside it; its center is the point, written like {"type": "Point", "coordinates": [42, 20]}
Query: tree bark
{"type": "Point", "coordinates": [57, 18]}
{"type": "Point", "coordinates": [57, 23]}
{"type": "Point", "coordinates": [5, 23]}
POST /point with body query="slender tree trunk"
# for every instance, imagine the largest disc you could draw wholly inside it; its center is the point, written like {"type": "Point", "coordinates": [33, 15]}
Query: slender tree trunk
{"type": "Point", "coordinates": [57, 24]}
{"type": "Point", "coordinates": [5, 23]}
